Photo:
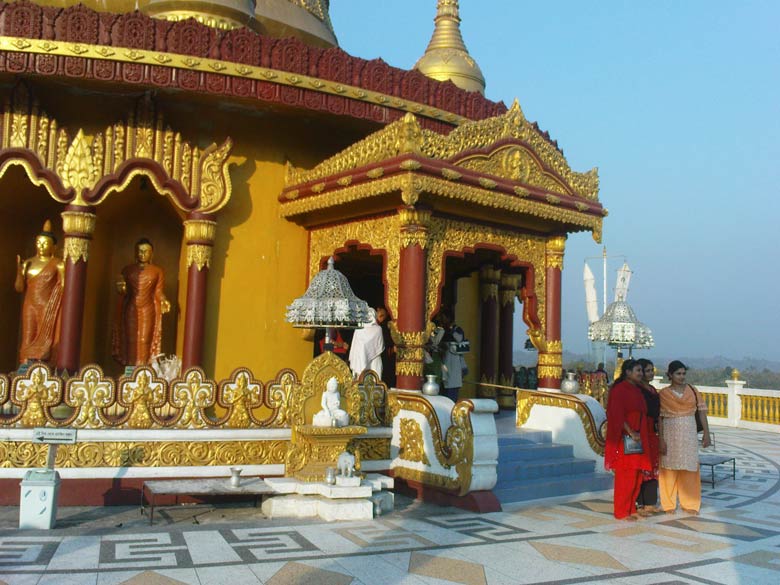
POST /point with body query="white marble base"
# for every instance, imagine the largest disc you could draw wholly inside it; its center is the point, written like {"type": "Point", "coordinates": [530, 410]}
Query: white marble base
{"type": "Point", "coordinates": [342, 481]}
{"type": "Point", "coordinates": [298, 506]}
{"type": "Point", "coordinates": [298, 499]}
{"type": "Point", "coordinates": [289, 485]}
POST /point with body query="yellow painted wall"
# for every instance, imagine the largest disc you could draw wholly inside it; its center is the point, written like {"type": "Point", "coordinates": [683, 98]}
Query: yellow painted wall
{"type": "Point", "coordinates": [468, 316]}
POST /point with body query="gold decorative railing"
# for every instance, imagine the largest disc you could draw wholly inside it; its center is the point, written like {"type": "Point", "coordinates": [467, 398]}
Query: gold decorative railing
{"type": "Point", "coordinates": [717, 404]}
{"type": "Point", "coordinates": [92, 400]}
{"type": "Point", "coordinates": [761, 409]}
{"type": "Point", "coordinates": [527, 399]}
{"type": "Point", "coordinates": [453, 449]}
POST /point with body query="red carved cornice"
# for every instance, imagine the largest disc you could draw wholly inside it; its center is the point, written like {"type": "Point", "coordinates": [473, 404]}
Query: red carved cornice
{"type": "Point", "coordinates": [78, 24]}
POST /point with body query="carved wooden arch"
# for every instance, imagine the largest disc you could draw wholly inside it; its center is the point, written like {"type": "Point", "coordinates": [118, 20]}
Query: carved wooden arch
{"type": "Point", "coordinates": [351, 245]}
{"type": "Point", "coordinates": [527, 292]}
{"type": "Point", "coordinates": [380, 234]}
{"type": "Point", "coordinates": [456, 238]}
{"type": "Point", "coordinates": [84, 170]}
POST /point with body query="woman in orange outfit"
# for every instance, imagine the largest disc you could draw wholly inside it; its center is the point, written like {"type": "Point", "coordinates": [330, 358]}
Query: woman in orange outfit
{"type": "Point", "coordinates": [679, 445]}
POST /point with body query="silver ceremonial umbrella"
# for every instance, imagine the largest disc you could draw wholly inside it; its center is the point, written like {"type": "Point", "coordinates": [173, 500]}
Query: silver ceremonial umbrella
{"type": "Point", "coordinates": [328, 303]}
{"type": "Point", "coordinates": [620, 328]}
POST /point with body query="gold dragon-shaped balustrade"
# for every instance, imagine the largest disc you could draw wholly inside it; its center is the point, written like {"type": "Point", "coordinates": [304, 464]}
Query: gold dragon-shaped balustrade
{"type": "Point", "coordinates": [527, 399]}
{"type": "Point", "coordinates": [454, 450]}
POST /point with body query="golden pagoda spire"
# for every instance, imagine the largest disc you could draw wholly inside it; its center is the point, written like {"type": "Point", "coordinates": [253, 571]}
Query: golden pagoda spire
{"type": "Point", "coordinates": [447, 56]}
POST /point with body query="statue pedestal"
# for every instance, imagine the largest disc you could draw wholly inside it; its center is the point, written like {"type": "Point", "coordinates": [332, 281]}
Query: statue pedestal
{"type": "Point", "coordinates": [315, 449]}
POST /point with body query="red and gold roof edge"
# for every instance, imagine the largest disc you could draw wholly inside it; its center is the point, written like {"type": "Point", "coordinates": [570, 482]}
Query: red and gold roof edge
{"type": "Point", "coordinates": [78, 42]}
{"type": "Point", "coordinates": [413, 172]}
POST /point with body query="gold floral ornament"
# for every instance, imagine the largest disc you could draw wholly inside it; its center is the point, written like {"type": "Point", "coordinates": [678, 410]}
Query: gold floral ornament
{"type": "Point", "coordinates": [191, 395]}
{"type": "Point", "coordinates": [3, 389]}
{"type": "Point", "coordinates": [240, 395]}
{"type": "Point", "coordinates": [35, 393]}
{"type": "Point", "coordinates": [90, 394]}
{"type": "Point", "coordinates": [366, 400]}
{"type": "Point", "coordinates": [412, 444]}
{"type": "Point", "coordinates": [278, 393]}
{"type": "Point", "coordinates": [141, 394]}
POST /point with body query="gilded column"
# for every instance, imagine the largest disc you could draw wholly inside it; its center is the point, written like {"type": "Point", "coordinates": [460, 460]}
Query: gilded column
{"type": "Point", "coordinates": [78, 225]}
{"type": "Point", "coordinates": [489, 279]}
{"type": "Point", "coordinates": [551, 359]}
{"type": "Point", "coordinates": [510, 283]}
{"type": "Point", "coordinates": [199, 232]}
{"type": "Point", "coordinates": [410, 321]}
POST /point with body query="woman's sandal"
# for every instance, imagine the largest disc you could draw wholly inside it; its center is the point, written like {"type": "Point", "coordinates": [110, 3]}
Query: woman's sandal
{"type": "Point", "coordinates": [691, 512]}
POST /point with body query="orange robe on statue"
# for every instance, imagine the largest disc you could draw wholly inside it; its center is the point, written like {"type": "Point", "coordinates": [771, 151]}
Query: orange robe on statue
{"type": "Point", "coordinates": [138, 331]}
{"type": "Point", "coordinates": [41, 313]}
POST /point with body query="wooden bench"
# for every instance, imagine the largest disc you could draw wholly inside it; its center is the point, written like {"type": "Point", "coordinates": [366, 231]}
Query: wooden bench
{"type": "Point", "coordinates": [218, 486]}
{"type": "Point", "coordinates": [713, 460]}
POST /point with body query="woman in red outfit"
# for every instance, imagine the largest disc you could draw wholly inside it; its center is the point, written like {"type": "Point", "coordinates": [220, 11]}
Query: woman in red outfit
{"type": "Point", "coordinates": [627, 415]}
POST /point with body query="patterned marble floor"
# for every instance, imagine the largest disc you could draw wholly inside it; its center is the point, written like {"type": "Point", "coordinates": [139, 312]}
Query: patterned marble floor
{"type": "Point", "coordinates": [568, 540]}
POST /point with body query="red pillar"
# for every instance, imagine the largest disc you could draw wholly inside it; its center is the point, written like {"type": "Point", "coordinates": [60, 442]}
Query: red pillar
{"type": "Point", "coordinates": [78, 224]}
{"type": "Point", "coordinates": [199, 232]}
{"type": "Point", "coordinates": [551, 360]}
{"type": "Point", "coordinates": [411, 298]}
{"type": "Point", "coordinates": [489, 279]}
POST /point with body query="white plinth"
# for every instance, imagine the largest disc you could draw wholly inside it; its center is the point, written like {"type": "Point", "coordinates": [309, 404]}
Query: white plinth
{"type": "Point", "coordinates": [362, 500]}
{"type": "Point", "coordinates": [298, 506]}
{"type": "Point", "coordinates": [342, 481]}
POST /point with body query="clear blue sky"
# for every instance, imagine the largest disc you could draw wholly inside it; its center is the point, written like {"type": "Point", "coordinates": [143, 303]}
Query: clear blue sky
{"type": "Point", "coordinates": [677, 102]}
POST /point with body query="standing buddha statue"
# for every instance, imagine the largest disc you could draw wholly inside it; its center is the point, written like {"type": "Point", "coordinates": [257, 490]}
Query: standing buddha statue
{"type": "Point", "coordinates": [40, 278]}
{"type": "Point", "coordinates": [137, 336]}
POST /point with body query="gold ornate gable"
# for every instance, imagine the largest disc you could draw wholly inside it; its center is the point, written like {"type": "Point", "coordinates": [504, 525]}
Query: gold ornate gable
{"type": "Point", "coordinates": [503, 163]}
{"type": "Point", "coordinates": [83, 170]}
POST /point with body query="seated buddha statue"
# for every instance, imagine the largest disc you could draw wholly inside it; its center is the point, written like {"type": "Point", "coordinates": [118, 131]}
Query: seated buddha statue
{"type": "Point", "coordinates": [331, 414]}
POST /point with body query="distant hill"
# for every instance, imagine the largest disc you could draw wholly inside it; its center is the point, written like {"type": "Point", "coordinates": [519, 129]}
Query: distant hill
{"type": "Point", "coordinates": [707, 371]}
{"type": "Point", "coordinates": [528, 358]}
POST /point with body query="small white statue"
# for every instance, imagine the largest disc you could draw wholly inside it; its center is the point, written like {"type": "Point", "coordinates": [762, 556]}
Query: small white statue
{"type": "Point", "coordinates": [331, 414]}
{"type": "Point", "coordinates": [167, 367]}
{"type": "Point", "coordinates": [346, 464]}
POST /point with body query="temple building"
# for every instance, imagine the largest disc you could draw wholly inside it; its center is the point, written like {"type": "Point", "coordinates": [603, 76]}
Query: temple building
{"type": "Point", "coordinates": [246, 148]}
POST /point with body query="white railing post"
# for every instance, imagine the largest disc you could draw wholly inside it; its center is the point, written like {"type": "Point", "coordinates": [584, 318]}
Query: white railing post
{"type": "Point", "coordinates": [735, 401]}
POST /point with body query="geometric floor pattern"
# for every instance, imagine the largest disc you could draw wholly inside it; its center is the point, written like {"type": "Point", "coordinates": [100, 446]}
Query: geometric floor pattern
{"type": "Point", "coordinates": [736, 539]}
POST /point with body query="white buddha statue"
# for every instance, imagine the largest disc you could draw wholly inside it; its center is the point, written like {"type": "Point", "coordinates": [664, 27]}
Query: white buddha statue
{"type": "Point", "coordinates": [331, 414]}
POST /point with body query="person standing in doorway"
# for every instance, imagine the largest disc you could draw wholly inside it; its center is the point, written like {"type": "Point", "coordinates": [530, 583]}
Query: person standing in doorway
{"type": "Point", "coordinates": [388, 355]}
{"type": "Point", "coordinates": [452, 347]}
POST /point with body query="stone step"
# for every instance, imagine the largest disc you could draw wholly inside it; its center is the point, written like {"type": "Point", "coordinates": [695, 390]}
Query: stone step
{"type": "Point", "coordinates": [533, 451]}
{"type": "Point", "coordinates": [524, 436]}
{"type": "Point", "coordinates": [551, 487]}
{"type": "Point", "coordinates": [511, 472]}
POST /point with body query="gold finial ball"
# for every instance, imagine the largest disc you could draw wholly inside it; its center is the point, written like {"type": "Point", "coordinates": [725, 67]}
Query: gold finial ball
{"type": "Point", "coordinates": [735, 374]}
{"type": "Point", "coordinates": [446, 57]}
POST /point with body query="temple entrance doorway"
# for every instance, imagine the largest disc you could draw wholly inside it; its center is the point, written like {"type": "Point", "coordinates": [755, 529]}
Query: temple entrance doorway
{"type": "Point", "coordinates": [122, 219]}
{"type": "Point", "coordinates": [23, 210]}
{"type": "Point", "coordinates": [472, 290]}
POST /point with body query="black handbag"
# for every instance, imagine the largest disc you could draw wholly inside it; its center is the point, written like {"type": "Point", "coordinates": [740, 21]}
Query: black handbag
{"type": "Point", "coordinates": [698, 414]}
{"type": "Point", "coordinates": [632, 447]}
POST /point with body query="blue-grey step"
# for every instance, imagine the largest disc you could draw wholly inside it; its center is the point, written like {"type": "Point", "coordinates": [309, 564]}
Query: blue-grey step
{"type": "Point", "coordinates": [533, 451]}
{"type": "Point", "coordinates": [531, 466]}
{"type": "Point", "coordinates": [551, 487]}
{"type": "Point", "coordinates": [527, 470]}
